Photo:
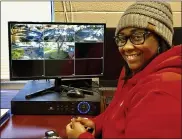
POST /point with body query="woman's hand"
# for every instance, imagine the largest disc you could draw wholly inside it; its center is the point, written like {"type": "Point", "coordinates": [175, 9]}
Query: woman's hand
{"type": "Point", "coordinates": [74, 129]}
{"type": "Point", "coordinates": [86, 123]}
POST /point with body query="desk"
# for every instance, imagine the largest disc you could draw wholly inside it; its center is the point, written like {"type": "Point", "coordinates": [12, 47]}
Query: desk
{"type": "Point", "coordinates": [34, 126]}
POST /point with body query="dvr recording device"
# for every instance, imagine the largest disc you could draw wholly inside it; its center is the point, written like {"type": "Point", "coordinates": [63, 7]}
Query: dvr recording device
{"type": "Point", "coordinates": [54, 103]}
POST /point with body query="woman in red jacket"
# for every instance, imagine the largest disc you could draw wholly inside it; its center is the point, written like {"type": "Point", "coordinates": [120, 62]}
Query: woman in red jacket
{"type": "Point", "coordinates": [147, 102]}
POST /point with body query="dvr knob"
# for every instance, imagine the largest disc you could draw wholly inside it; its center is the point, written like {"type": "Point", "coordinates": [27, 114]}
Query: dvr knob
{"type": "Point", "coordinates": [83, 107]}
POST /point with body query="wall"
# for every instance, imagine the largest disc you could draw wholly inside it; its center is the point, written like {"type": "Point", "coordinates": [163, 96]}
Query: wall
{"type": "Point", "coordinates": [13, 11]}
{"type": "Point", "coordinates": [106, 12]}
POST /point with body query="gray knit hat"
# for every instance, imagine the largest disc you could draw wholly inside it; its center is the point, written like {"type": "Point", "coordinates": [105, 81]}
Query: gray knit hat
{"type": "Point", "coordinates": [153, 15]}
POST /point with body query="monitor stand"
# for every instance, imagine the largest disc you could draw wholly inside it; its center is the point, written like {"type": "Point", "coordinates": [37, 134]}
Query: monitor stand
{"type": "Point", "coordinates": [64, 84]}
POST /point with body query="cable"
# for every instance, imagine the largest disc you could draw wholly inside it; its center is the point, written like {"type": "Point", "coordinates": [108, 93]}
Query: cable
{"type": "Point", "coordinates": [64, 88]}
{"type": "Point", "coordinates": [71, 10]}
{"type": "Point", "coordinates": [52, 11]}
{"type": "Point", "coordinates": [65, 12]}
{"type": "Point", "coordinates": [94, 86]}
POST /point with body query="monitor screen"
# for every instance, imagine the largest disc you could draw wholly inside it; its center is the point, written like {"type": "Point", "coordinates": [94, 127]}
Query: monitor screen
{"type": "Point", "coordinates": [44, 50]}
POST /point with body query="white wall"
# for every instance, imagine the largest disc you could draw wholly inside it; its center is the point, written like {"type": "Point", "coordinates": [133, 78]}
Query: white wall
{"type": "Point", "coordinates": [19, 11]}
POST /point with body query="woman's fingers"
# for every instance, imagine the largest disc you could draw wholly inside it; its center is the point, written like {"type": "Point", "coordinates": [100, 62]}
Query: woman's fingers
{"type": "Point", "coordinates": [78, 119]}
{"type": "Point", "coordinates": [84, 121]}
{"type": "Point", "coordinates": [68, 128]}
{"type": "Point", "coordinates": [78, 126]}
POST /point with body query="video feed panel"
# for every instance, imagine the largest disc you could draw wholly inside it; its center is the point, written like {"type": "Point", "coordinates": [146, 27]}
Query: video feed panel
{"type": "Point", "coordinates": [89, 33]}
{"type": "Point", "coordinates": [58, 42]}
{"type": "Point", "coordinates": [27, 52]}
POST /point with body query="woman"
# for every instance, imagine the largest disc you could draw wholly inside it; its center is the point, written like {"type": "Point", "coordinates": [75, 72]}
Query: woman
{"type": "Point", "coordinates": [147, 101]}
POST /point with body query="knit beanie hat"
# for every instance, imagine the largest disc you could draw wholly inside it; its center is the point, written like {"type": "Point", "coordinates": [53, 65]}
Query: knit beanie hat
{"type": "Point", "coordinates": [155, 16]}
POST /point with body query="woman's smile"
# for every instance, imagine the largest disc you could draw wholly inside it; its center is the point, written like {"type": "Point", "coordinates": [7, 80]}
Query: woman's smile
{"type": "Point", "coordinates": [132, 57]}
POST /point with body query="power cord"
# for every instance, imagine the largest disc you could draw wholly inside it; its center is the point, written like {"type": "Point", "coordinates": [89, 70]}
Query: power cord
{"type": "Point", "coordinates": [71, 10]}
{"type": "Point", "coordinates": [96, 85]}
{"type": "Point", "coordinates": [65, 11]}
{"type": "Point", "coordinates": [65, 88]}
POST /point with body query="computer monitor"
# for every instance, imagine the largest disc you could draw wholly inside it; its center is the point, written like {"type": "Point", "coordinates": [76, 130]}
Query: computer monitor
{"type": "Point", "coordinates": [49, 50]}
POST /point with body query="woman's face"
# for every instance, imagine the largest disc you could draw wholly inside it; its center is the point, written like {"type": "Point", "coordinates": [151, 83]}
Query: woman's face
{"type": "Point", "coordinates": [138, 55]}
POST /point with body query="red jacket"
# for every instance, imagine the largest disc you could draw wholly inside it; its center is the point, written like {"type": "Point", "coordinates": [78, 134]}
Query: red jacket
{"type": "Point", "coordinates": [148, 105]}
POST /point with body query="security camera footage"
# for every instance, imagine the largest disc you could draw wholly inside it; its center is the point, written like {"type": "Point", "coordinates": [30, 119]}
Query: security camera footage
{"type": "Point", "coordinates": [55, 49]}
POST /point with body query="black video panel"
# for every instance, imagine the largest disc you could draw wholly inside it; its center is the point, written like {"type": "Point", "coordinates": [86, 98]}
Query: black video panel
{"type": "Point", "coordinates": [89, 67]}
{"type": "Point", "coordinates": [59, 67]}
{"type": "Point", "coordinates": [89, 50]}
{"type": "Point", "coordinates": [27, 68]}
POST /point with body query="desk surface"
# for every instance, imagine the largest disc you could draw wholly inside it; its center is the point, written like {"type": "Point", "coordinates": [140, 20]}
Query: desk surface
{"type": "Point", "coordinates": [34, 126]}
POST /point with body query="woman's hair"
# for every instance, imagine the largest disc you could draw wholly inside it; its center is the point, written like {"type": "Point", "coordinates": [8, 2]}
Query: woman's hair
{"type": "Point", "coordinates": [163, 46]}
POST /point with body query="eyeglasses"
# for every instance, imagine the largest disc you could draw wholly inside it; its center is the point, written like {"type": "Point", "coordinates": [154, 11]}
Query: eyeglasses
{"type": "Point", "coordinates": [136, 38]}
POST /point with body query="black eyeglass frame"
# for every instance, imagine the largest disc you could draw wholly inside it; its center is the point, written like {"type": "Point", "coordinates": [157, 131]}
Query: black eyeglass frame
{"type": "Point", "coordinates": [145, 34]}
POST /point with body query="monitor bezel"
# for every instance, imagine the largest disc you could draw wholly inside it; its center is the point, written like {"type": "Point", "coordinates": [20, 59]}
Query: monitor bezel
{"type": "Point", "coordinates": [51, 77]}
